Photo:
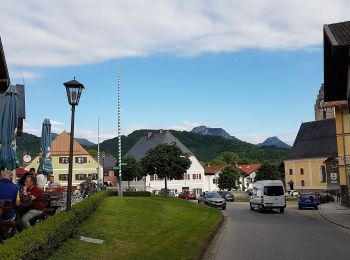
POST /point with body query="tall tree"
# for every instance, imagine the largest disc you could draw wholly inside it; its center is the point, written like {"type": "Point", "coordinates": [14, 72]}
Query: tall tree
{"type": "Point", "coordinates": [267, 171]}
{"type": "Point", "coordinates": [133, 169]}
{"type": "Point", "coordinates": [228, 178]}
{"type": "Point", "coordinates": [167, 161]}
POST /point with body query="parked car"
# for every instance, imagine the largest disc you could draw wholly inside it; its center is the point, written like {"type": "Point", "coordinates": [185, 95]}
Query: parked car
{"type": "Point", "coordinates": [169, 193]}
{"type": "Point", "coordinates": [228, 196]}
{"type": "Point", "coordinates": [187, 196]}
{"type": "Point", "coordinates": [293, 193]}
{"type": "Point", "coordinates": [324, 197]}
{"type": "Point", "coordinates": [212, 199]}
{"type": "Point", "coordinates": [308, 200]}
{"type": "Point", "coordinates": [268, 195]}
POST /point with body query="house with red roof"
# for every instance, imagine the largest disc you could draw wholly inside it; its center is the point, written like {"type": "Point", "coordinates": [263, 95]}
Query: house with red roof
{"type": "Point", "coordinates": [246, 180]}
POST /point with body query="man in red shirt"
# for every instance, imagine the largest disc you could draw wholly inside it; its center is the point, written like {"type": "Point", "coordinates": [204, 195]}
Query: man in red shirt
{"type": "Point", "coordinates": [35, 195]}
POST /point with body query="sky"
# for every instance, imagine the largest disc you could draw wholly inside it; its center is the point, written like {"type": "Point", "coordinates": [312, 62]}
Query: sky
{"type": "Point", "coordinates": [251, 67]}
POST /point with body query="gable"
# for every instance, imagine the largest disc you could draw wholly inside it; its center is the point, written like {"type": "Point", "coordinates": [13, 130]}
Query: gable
{"type": "Point", "coordinates": [60, 146]}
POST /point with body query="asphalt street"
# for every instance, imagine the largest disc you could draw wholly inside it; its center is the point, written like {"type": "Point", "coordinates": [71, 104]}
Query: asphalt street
{"type": "Point", "coordinates": [296, 234]}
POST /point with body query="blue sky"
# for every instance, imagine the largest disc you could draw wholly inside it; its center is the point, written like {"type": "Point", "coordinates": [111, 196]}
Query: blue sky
{"type": "Point", "coordinates": [219, 63]}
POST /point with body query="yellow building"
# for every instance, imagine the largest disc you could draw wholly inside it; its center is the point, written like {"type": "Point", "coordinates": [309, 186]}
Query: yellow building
{"type": "Point", "coordinates": [312, 163]}
{"type": "Point", "coordinates": [84, 164]}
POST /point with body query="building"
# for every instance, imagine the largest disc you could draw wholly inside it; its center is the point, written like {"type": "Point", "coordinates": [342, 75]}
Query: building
{"type": "Point", "coordinates": [312, 163]}
{"type": "Point", "coordinates": [322, 112]}
{"type": "Point", "coordinates": [4, 84]}
{"type": "Point", "coordinates": [193, 180]}
{"type": "Point", "coordinates": [336, 39]}
{"type": "Point", "coordinates": [246, 179]}
{"type": "Point", "coordinates": [84, 165]}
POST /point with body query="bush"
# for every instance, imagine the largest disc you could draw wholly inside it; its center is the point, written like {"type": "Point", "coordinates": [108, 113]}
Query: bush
{"type": "Point", "coordinates": [40, 242]}
{"type": "Point", "coordinates": [130, 193]}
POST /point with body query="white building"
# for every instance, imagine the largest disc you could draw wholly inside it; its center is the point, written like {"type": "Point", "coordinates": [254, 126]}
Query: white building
{"type": "Point", "coordinates": [194, 179]}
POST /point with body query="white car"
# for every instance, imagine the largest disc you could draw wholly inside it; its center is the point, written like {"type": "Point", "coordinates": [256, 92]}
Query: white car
{"type": "Point", "coordinates": [294, 193]}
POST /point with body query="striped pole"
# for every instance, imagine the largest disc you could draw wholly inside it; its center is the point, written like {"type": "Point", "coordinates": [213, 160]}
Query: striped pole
{"type": "Point", "coordinates": [98, 148]}
{"type": "Point", "coordinates": [120, 191]}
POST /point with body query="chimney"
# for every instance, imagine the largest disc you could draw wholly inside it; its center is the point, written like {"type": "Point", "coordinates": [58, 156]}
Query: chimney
{"type": "Point", "coordinates": [149, 135]}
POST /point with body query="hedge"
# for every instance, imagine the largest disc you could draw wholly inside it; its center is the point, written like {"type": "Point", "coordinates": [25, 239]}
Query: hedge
{"type": "Point", "coordinates": [40, 241]}
{"type": "Point", "coordinates": [130, 193]}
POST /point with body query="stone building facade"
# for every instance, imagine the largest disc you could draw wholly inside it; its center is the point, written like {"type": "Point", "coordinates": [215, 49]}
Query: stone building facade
{"type": "Point", "coordinates": [322, 112]}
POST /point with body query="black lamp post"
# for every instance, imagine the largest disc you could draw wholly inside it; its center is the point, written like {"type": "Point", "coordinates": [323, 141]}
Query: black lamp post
{"type": "Point", "coordinates": [74, 89]}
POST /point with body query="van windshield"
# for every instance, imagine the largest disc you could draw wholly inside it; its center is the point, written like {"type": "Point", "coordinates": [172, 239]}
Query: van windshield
{"type": "Point", "coordinates": [273, 191]}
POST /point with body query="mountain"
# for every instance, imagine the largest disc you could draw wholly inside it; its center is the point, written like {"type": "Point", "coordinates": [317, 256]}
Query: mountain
{"type": "Point", "coordinates": [81, 141]}
{"type": "Point", "coordinates": [205, 147]}
{"type": "Point", "coordinates": [274, 141]}
{"type": "Point", "coordinates": [203, 130]}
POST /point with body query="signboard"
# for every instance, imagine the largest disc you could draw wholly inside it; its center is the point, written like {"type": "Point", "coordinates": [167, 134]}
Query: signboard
{"type": "Point", "coordinates": [332, 169]}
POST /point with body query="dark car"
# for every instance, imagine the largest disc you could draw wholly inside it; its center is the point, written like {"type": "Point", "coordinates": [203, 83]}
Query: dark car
{"type": "Point", "coordinates": [324, 197]}
{"type": "Point", "coordinates": [212, 199]}
{"type": "Point", "coordinates": [308, 200]}
{"type": "Point", "coordinates": [228, 196]}
{"type": "Point", "coordinates": [187, 196]}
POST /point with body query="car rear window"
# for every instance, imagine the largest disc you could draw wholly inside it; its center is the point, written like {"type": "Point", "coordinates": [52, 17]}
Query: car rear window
{"type": "Point", "coordinates": [273, 191]}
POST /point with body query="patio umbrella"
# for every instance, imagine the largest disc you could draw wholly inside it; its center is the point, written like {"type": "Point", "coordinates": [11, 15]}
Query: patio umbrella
{"type": "Point", "coordinates": [45, 166]}
{"type": "Point", "coordinates": [8, 125]}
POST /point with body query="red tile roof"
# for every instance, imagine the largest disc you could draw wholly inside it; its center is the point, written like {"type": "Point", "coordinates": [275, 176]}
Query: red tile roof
{"type": "Point", "coordinates": [211, 170]}
{"type": "Point", "coordinates": [248, 168]}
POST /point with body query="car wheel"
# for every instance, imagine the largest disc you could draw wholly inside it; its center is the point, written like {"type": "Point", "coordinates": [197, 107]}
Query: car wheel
{"type": "Point", "coordinates": [281, 210]}
{"type": "Point", "coordinates": [250, 206]}
{"type": "Point", "coordinates": [260, 208]}
{"type": "Point", "coordinates": [316, 207]}
{"type": "Point", "coordinates": [300, 207]}
{"type": "Point", "coordinates": [199, 202]}
{"type": "Point", "coordinates": [223, 208]}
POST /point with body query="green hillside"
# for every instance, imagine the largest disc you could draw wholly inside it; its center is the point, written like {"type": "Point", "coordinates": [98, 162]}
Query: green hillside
{"type": "Point", "coordinates": [205, 147]}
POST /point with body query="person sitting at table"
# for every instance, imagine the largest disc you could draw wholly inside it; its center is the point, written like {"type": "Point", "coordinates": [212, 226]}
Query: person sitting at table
{"type": "Point", "coordinates": [32, 193]}
{"type": "Point", "coordinates": [52, 184]}
{"type": "Point", "coordinates": [24, 176]}
{"type": "Point", "coordinates": [9, 191]}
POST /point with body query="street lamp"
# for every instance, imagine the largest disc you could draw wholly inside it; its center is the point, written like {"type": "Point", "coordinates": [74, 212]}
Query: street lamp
{"type": "Point", "coordinates": [74, 89]}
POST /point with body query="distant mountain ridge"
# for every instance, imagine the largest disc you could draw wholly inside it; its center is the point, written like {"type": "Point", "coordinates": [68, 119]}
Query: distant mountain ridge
{"type": "Point", "coordinates": [81, 141]}
{"type": "Point", "coordinates": [274, 141]}
{"type": "Point", "coordinates": [203, 130]}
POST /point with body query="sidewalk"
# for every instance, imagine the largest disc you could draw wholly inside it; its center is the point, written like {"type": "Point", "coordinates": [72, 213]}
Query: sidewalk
{"type": "Point", "coordinates": [336, 214]}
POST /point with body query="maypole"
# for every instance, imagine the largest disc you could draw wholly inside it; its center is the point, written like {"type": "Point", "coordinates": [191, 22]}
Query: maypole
{"type": "Point", "coordinates": [120, 191]}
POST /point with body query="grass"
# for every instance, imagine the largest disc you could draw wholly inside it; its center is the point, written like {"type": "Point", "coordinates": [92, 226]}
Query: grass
{"type": "Point", "coordinates": [144, 228]}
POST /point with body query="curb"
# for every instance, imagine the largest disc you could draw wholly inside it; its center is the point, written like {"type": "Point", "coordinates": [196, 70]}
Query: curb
{"type": "Point", "coordinates": [212, 234]}
{"type": "Point", "coordinates": [330, 220]}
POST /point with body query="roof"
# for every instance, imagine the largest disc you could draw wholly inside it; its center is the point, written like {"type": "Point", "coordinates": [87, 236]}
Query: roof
{"type": "Point", "coordinates": [60, 146]}
{"type": "Point", "coordinates": [315, 139]}
{"type": "Point", "coordinates": [144, 144]}
{"type": "Point", "coordinates": [340, 33]}
{"type": "Point", "coordinates": [248, 168]}
{"type": "Point", "coordinates": [4, 74]}
{"type": "Point", "coordinates": [212, 170]}
{"type": "Point", "coordinates": [108, 162]}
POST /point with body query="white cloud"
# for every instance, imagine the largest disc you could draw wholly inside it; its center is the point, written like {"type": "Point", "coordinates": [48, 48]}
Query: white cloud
{"type": "Point", "coordinates": [24, 74]}
{"type": "Point", "coordinates": [46, 33]}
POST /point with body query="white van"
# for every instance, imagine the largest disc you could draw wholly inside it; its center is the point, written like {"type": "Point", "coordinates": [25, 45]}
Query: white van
{"type": "Point", "coordinates": [268, 194]}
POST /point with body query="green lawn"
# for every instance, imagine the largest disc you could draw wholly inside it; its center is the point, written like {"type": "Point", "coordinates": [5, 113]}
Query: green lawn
{"type": "Point", "coordinates": [144, 228]}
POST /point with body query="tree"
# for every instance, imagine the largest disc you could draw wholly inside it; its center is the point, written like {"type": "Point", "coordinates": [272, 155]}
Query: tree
{"type": "Point", "coordinates": [228, 178]}
{"type": "Point", "coordinates": [167, 161]}
{"type": "Point", "coordinates": [133, 169]}
{"type": "Point", "coordinates": [267, 171]}
{"type": "Point", "coordinates": [92, 152]}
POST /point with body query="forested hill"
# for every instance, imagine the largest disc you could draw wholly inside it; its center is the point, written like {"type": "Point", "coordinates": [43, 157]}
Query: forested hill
{"type": "Point", "coordinates": [205, 147]}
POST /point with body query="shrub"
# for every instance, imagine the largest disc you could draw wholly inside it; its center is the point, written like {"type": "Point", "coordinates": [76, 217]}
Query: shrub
{"type": "Point", "coordinates": [40, 242]}
{"type": "Point", "coordinates": [130, 193]}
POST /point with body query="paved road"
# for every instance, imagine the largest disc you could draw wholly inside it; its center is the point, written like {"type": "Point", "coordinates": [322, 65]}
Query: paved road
{"type": "Point", "coordinates": [293, 235]}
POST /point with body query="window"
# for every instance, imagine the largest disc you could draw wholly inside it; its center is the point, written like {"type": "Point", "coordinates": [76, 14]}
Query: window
{"type": "Point", "coordinates": [80, 159]}
{"type": "Point", "coordinates": [290, 171]}
{"type": "Point", "coordinates": [273, 191]}
{"type": "Point", "coordinates": [63, 160]}
{"type": "Point", "coordinates": [63, 177]}
{"type": "Point", "coordinates": [187, 176]}
{"type": "Point", "coordinates": [196, 177]}
{"type": "Point", "coordinates": [93, 176]}
{"type": "Point", "coordinates": [80, 177]}
{"type": "Point", "coordinates": [302, 183]}
{"type": "Point", "coordinates": [301, 171]}
{"type": "Point", "coordinates": [323, 174]}
{"type": "Point", "coordinates": [215, 181]}
{"type": "Point", "coordinates": [155, 177]}
{"type": "Point", "coordinates": [197, 191]}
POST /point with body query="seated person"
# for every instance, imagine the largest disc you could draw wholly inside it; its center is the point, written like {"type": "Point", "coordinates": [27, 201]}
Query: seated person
{"type": "Point", "coordinates": [41, 180]}
{"type": "Point", "coordinates": [34, 194]}
{"type": "Point", "coordinates": [52, 184]}
{"type": "Point", "coordinates": [9, 191]}
{"type": "Point", "coordinates": [24, 176]}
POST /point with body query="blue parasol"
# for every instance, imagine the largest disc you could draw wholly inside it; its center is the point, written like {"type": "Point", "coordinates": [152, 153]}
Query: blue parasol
{"type": "Point", "coordinates": [8, 126]}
